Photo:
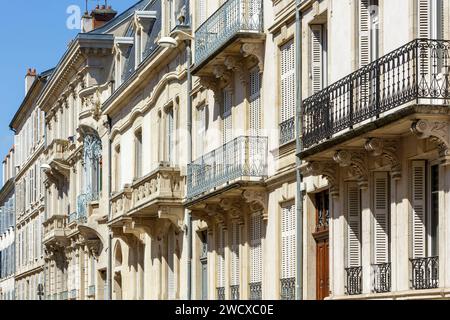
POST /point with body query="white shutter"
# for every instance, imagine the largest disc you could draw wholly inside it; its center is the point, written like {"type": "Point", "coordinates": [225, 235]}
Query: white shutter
{"type": "Point", "coordinates": [418, 204]}
{"type": "Point", "coordinates": [288, 253]}
{"type": "Point", "coordinates": [227, 118]}
{"type": "Point", "coordinates": [381, 225]}
{"type": "Point", "coordinates": [220, 257]}
{"type": "Point", "coordinates": [354, 226]}
{"type": "Point", "coordinates": [201, 11]}
{"type": "Point", "coordinates": [255, 249]}
{"type": "Point", "coordinates": [201, 130]}
{"type": "Point", "coordinates": [287, 81]}
{"type": "Point", "coordinates": [235, 265]}
{"type": "Point", "coordinates": [170, 136]}
{"type": "Point", "coordinates": [255, 103]}
{"type": "Point", "coordinates": [171, 264]}
{"type": "Point", "coordinates": [316, 57]}
{"type": "Point", "coordinates": [424, 18]}
{"type": "Point", "coordinates": [364, 32]}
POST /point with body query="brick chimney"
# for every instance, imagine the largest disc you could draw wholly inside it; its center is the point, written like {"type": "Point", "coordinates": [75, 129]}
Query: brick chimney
{"type": "Point", "coordinates": [98, 17]}
{"type": "Point", "coordinates": [29, 79]}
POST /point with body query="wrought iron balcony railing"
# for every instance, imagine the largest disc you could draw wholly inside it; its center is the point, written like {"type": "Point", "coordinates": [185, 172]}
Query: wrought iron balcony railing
{"type": "Point", "coordinates": [91, 291]}
{"type": "Point", "coordinates": [232, 18]}
{"type": "Point", "coordinates": [354, 281]}
{"type": "Point", "coordinates": [242, 157]}
{"type": "Point", "coordinates": [417, 71]}
{"type": "Point", "coordinates": [381, 277]}
{"type": "Point", "coordinates": [287, 131]}
{"type": "Point", "coordinates": [288, 289]}
{"type": "Point", "coordinates": [221, 293]}
{"type": "Point", "coordinates": [425, 273]}
{"type": "Point", "coordinates": [235, 292]}
{"type": "Point", "coordinates": [73, 294]}
{"type": "Point", "coordinates": [64, 295]}
{"type": "Point", "coordinates": [256, 291]}
{"type": "Point", "coordinates": [82, 204]}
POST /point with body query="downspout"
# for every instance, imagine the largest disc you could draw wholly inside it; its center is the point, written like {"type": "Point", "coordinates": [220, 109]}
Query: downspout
{"type": "Point", "coordinates": [109, 268]}
{"type": "Point", "coordinates": [189, 159]}
{"type": "Point", "coordinates": [299, 147]}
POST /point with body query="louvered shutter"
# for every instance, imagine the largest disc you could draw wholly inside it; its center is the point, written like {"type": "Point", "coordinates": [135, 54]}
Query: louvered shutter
{"type": "Point", "coordinates": [364, 33]}
{"type": "Point", "coordinates": [381, 224]}
{"type": "Point", "coordinates": [288, 253]}
{"type": "Point", "coordinates": [171, 271]}
{"type": "Point", "coordinates": [316, 57]}
{"type": "Point", "coordinates": [170, 136]}
{"type": "Point", "coordinates": [255, 103]}
{"type": "Point", "coordinates": [255, 249]}
{"type": "Point", "coordinates": [235, 266]}
{"type": "Point", "coordinates": [220, 257]}
{"type": "Point", "coordinates": [227, 119]}
{"type": "Point", "coordinates": [201, 121]}
{"type": "Point", "coordinates": [354, 226]}
{"type": "Point", "coordinates": [424, 18]}
{"type": "Point", "coordinates": [418, 204]}
{"type": "Point", "coordinates": [201, 11]}
{"type": "Point", "coordinates": [287, 81]}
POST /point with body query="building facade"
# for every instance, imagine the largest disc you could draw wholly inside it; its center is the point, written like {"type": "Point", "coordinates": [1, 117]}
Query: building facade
{"type": "Point", "coordinates": [7, 229]}
{"type": "Point", "coordinates": [375, 139]}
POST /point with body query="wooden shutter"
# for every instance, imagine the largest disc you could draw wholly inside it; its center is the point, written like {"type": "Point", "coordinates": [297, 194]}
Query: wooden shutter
{"type": "Point", "coordinates": [364, 32]}
{"type": "Point", "coordinates": [201, 126]}
{"type": "Point", "coordinates": [227, 118]}
{"type": "Point", "coordinates": [255, 249]}
{"type": "Point", "coordinates": [316, 57]}
{"type": "Point", "coordinates": [170, 135]}
{"type": "Point", "coordinates": [171, 265]}
{"type": "Point", "coordinates": [354, 226]}
{"type": "Point", "coordinates": [381, 214]}
{"type": "Point", "coordinates": [255, 102]}
{"type": "Point", "coordinates": [288, 253]}
{"type": "Point", "coordinates": [287, 81]}
{"type": "Point", "coordinates": [220, 257]}
{"type": "Point", "coordinates": [418, 205]}
{"type": "Point", "coordinates": [424, 18]}
{"type": "Point", "coordinates": [235, 265]}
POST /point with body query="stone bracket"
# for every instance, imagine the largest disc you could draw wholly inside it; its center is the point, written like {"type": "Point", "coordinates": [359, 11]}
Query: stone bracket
{"type": "Point", "coordinates": [357, 163]}
{"type": "Point", "coordinates": [438, 132]}
{"type": "Point", "coordinates": [174, 214]}
{"type": "Point", "coordinates": [258, 201]}
{"type": "Point", "coordinates": [329, 171]}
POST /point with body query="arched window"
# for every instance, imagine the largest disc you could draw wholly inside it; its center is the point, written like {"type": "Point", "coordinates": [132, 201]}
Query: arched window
{"type": "Point", "coordinates": [92, 166]}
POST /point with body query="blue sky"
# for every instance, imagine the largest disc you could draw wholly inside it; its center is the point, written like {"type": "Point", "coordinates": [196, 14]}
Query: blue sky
{"type": "Point", "coordinates": [36, 36]}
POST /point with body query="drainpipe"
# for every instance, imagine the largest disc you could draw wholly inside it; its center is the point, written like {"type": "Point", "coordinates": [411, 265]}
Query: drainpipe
{"type": "Point", "coordinates": [299, 147]}
{"type": "Point", "coordinates": [189, 159]}
{"type": "Point", "coordinates": [109, 268]}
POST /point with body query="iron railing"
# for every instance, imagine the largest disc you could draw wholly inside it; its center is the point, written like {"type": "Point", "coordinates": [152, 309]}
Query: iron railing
{"type": "Point", "coordinates": [256, 291]}
{"type": "Point", "coordinates": [64, 295]}
{"type": "Point", "coordinates": [235, 292]}
{"type": "Point", "coordinates": [288, 289]}
{"type": "Point", "coordinates": [242, 157]}
{"type": "Point", "coordinates": [287, 131]}
{"type": "Point", "coordinates": [55, 296]}
{"type": "Point", "coordinates": [425, 273]}
{"type": "Point", "coordinates": [232, 18]}
{"type": "Point", "coordinates": [381, 277]}
{"type": "Point", "coordinates": [221, 293]}
{"type": "Point", "coordinates": [417, 71]}
{"type": "Point", "coordinates": [91, 291]}
{"type": "Point", "coordinates": [354, 281]}
{"type": "Point", "coordinates": [82, 203]}
{"type": "Point", "coordinates": [73, 294]}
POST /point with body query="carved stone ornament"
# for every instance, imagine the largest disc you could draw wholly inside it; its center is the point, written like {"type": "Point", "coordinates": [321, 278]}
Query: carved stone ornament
{"type": "Point", "coordinates": [438, 132]}
{"type": "Point", "coordinates": [234, 64]}
{"type": "Point", "coordinates": [257, 199]}
{"type": "Point", "coordinates": [256, 50]}
{"type": "Point", "coordinates": [329, 171]}
{"type": "Point", "coordinates": [357, 164]}
{"type": "Point", "coordinates": [388, 151]}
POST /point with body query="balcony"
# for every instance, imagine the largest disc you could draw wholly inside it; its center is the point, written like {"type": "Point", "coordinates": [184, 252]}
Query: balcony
{"type": "Point", "coordinates": [221, 293]}
{"type": "Point", "coordinates": [73, 294]}
{"type": "Point", "coordinates": [382, 277]}
{"type": "Point", "coordinates": [91, 291]}
{"type": "Point", "coordinates": [256, 291]}
{"type": "Point", "coordinates": [64, 295]}
{"type": "Point", "coordinates": [287, 131]}
{"type": "Point", "coordinates": [83, 201]}
{"type": "Point", "coordinates": [120, 203]}
{"type": "Point", "coordinates": [234, 290]}
{"type": "Point", "coordinates": [425, 273]}
{"type": "Point", "coordinates": [55, 230]}
{"type": "Point", "coordinates": [354, 281]}
{"type": "Point", "coordinates": [241, 160]}
{"type": "Point", "coordinates": [288, 289]}
{"type": "Point", "coordinates": [56, 154]}
{"type": "Point", "coordinates": [234, 20]}
{"type": "Point", "coordinates": [373, 96]}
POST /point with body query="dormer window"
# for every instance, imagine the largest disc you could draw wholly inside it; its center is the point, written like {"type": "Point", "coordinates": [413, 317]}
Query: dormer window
{"type": "Point", "coordinates": [178, 13]}
{"type": "Point", "coordinates": [123, 47]}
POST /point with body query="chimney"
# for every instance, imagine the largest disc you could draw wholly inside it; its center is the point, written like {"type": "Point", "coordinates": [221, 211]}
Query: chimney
{"type": "Point", "coordinates": [86, 23]}
{"type": "Point", "coordinates": [29, 79]}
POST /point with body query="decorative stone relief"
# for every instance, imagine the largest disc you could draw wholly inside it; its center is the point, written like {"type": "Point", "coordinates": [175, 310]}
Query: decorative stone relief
{"type": "Point", "coordinates": [357, 163]}
{"type": "Point", "coordinates": [257, 200]}
{"type": "Point", "coordinates": [256, 50]}
{"type": "Point", "coordinates": [437, 131]}
{"type": "Point", "coordinates": [232, 63]}
{"type": "Point", "coordinates": [329, 171]}
{"type": "Point", "coordinates": [387, 150]}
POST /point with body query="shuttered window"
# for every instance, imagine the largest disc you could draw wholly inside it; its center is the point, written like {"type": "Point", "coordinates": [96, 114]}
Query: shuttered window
{"type": "Point", "coordinates": [201, 6]}
{"type": "Point", "coordinates": [288, 253]}
{"type": "Point", "coordinates": [235, 257]}
{"type": "Point", "coordinates": [354, 226]}
{"type": "Point", "coordinates": [227, 118]}
{"type": "Point", "coordinates": [364, 32]}
{"type": "Point", "coordinates": [318, 57]}
{"type": "Point", "coordinates": [255, 103]}
{"type": "Point", "coordinates": [170, 135]}
{"type": "Point", "coordinates": [220, 245]}
{"type": "Point", "coordinates": [419, 209]}
{"type": "Point", "coordinates": [171, 267]}
{"type": "Point", "coordinates": [255, 249]}
{"type": "Point", "coordinates": [201, 130]}
{"type": "Point", "coordinates": [138, 154]}
{"type": "Point", "coordinates": [287, 81]}
{"type": "Point", "coordinates": [381, 215]}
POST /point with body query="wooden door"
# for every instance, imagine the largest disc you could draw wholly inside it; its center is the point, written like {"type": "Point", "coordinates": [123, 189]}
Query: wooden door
{"type": "Point", "coordinates": [322, 265]}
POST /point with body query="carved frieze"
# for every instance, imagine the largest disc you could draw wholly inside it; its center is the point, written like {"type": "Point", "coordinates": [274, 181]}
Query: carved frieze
{"type": "Point", "coordinates": [356, 161]}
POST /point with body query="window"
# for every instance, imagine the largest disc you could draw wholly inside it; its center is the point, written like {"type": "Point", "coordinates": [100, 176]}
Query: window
{"type": "Point", "coordinates": [288, 242]}
{"type": "Point", "coordinates": [287, 70]}
{"type": "Point", "coordinates": [220, 263]}
{"type": "Point", "coordinates": [255, 257]}
{"type": "Point", "coordinates": [319, 59]}
{"type": "Point", "coordinates": [138, 154]}
{"type": "Point", "coordinates": [381, 226]}
{"type": "Point", "coordinates": [201, 9]}
{"type": "Point", "coordinates": [201, 130]}
{"type": "Point", "coordinates": [170, 136]}
{"type": "Point", "coordinates": [255, 102]}
{"type": "Point", "coordinates": [117, 167]}
{"type": "Point", "coordinates": [353, 203]}
{"type": "Point", "coordinates": [227, 116]}
{"type": "Point", "coordinates": [368, 28]}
